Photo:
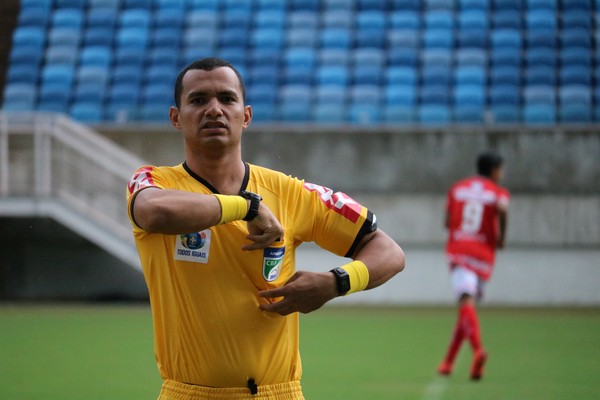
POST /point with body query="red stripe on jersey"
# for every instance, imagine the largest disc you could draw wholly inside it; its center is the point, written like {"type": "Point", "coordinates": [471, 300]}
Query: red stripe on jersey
{"type": "Point", "coordinates": [141, 179]}
{"type": "Point", "coordinates": [338, 201]}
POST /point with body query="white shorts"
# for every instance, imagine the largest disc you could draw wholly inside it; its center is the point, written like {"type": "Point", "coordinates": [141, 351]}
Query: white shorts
{"type": "Point", "coordinates": [465, 281]}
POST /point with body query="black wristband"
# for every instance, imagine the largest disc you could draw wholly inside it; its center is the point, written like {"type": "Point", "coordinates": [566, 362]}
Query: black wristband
{"type": "Point", "coordinates": [255, 200]}
{"type": "Point", "coordinates": [342, 280]}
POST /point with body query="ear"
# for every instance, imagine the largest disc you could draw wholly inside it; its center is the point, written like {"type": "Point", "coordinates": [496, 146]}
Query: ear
{"type": "Point", "coordinates": [247, 116]}
{"type": "Point", "coordinates": [174, 117]}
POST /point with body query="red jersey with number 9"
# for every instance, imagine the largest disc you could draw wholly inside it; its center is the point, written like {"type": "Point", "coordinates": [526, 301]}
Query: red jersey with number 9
{"type": "Point", "coordinates": [472, 210]}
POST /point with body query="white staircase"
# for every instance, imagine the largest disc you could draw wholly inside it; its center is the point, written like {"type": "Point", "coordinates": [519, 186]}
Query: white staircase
{"type": "Point", "coordinates": [52, 166]}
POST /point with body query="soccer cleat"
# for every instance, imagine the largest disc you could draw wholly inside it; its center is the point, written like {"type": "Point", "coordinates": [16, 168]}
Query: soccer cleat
{"type": "Point", "coordinates": [445, 368]}
{"type": "Point", "coordinates": [479, 359]}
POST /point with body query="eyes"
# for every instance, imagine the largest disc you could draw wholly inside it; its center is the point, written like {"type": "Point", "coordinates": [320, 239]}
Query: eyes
{"type": "Point", "coordinates": [221, 98]}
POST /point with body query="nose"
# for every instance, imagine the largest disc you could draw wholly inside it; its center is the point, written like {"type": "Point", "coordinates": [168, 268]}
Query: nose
{"type": "Point", "coordinates": [213, 107]}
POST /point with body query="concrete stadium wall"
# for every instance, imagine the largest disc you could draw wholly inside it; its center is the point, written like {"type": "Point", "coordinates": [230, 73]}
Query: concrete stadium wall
{"type": "Point", "coordinates": [553, 174]}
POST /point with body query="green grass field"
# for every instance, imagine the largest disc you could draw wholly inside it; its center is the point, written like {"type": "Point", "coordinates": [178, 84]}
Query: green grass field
{"type": "Point", "coordinates": [105, 352]}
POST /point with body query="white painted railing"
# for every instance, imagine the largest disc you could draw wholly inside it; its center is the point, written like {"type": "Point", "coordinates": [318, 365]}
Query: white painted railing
{"type": "Point", "coordinates": [52, 166]}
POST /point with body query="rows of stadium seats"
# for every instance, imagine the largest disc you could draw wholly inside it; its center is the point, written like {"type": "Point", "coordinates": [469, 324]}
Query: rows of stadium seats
{"type": "Point", "coordinates": [360, 61]}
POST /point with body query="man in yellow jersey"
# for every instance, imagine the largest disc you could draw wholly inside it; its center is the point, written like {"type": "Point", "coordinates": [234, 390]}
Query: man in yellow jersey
{"type": "Point", "coordinates": [217, 239]}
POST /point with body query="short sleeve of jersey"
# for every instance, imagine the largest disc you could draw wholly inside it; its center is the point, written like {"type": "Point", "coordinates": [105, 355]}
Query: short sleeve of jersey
{"type": "Point", "coordinates": [143, 177]}
{"type": "Point", "coordinates": [338, 222]}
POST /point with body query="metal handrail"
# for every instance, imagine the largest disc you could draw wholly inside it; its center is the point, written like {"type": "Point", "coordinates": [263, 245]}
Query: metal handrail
{"type": "Point", "coordinates": [53, 163]}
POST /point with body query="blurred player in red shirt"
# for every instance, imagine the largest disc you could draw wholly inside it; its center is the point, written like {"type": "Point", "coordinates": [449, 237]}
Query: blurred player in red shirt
{"type": "Point", "coordinates": [476, 214]}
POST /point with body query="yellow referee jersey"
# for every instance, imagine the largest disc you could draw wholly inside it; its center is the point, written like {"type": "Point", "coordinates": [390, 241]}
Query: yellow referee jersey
{"type": "Point", "coordinates": [208, 327]}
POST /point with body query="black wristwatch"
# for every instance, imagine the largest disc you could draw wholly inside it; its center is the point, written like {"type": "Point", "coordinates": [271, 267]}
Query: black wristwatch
{"type": "Point", "coordinates": [255, 200]}
{"type": "Point", "coordinates": [342, 279]}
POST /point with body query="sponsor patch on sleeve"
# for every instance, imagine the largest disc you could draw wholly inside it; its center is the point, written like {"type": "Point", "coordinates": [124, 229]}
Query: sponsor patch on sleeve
{"type": "Point", "coordinates": [337, 201]}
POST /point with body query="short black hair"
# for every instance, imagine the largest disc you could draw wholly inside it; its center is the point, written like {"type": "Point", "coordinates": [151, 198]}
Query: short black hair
{"type": "Point", "coordinates": [487, 162]}
{"type": "Point", "coordinates": [205, 64]}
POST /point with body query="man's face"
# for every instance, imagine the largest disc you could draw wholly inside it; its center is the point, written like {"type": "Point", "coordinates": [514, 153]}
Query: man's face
{"type": "Point", "coordinates": [212, 110]}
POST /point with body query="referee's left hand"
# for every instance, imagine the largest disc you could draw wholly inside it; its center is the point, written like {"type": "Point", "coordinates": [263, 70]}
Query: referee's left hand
{"type": "Point", "coordinates": [304, 292]}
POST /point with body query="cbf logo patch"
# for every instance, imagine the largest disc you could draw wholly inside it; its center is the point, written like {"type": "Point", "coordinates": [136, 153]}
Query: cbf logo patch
{"type": "Point", "coordinates": [272, 263]}
{"type": "Point", "coordinates": [193, 247]}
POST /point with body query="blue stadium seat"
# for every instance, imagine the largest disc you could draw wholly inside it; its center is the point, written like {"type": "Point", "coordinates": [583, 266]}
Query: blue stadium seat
{"type": "Point", "coordinates": [506, 19]}
{"type": "Point", "coordinates": [170, 18]}
{"type": "Point", "coordinates": [541, 56]}
{"type": "Point", "coordinates": [433, 114]}
{"type": "Point", "coordinates": [102, 17]}
{"type": "Point", "coordinates": [334, 57]}
{"type": "Point", "coordinates": [505, 114]}
{"type": "Point", "coordinates": [541, 4]}
{"type": "Point", "coordinates": [473, 5]}
{"type": "Point", "coordinates": [264, 74]}
{"type": "Point", "coordinates": [575, 113]}
{"type": "Point", "coordinates": [434, 94]}
{"type": "Point", "coordinates": [365, 5]}
{"type": "Point", "coordinates": [89, 113]}
{"type": "Point", "coordinates": [476, 57]}
{"type": "Point", "coordinates": [330, 113]}
{"type": "Point", "coordinates": [130, 56]}
{"type": "Point", "coordinates": [403, 57]}
{"type": "Point", "coordinates": [336, 38]}
{"type": "Point", "coordinates": [338, 19]}
{"type": "Point", "coordinates": [541, 38]}
{"type": "Point", "coordinates": [213, 5]}
{"type": "Point", "coordinates": [539, 114]}
{"type": "Point", "coordinates": [367, 74]}
{"type": "Point", "coordinates": [405, 19]}
{"type": "Point", "coordinates": [104, 4]}
{"type": "Point", "coordinates": [364, 114]}
{"type": "Point", "coordinates": [96, 55]}
{"type": "Point", "coordinates": [575, 37]}
{"type": "Point", "coordinates": [269, 19]}
{"type": "Point", "coordinates": [164, 56]}
{"type": "Point", "coordinates": [469, 95]}
{"type": "Point", "coordinates": [412, 5]}
{"type": "Point", "coordinates": [165, 36]}
{"type": "Point", "coordinates": [157, 74]}
{"type": "Point", "coordinates": [302, 20]}
{"type": "Point", "coordinates": [505, 74]}
{"type": "Point", "coordinates": [45, 5]}
{"type": "Point", "coordinates": [575, 94]}
{"type": "Point", "coordinates": [60, 75]}
{"type": "Point", "coordinates": [136, 4]}
{"type": "Point", "coordinates": [506, 57]}
{"type": "Point", "coordinates": [67, 18]}
{"type": "Point", "coordinates": [540, 75]}
{"type": "Point", "coordinates": [298, 74]}
{"type": "Point", "coordinates": [370, 38]}
{"type": "Point", "coordinates": [305, 5]}
{"type": "Point", "coordinates": [400, 95]}
{"type": "Point", "coordinates": [89, 92]}
{"type": "Point", "coordinates": [539, 94]}
{"type": "Point", "coordinates": [299, 37]}
{"type": "Point", "coordinates": [267, 38]}
{"type": "Point", "coordinates": [25, 54]}
{"type": "Point", "coordinates": [398, 114]}
{"type": "Point", "coordinates": [429, 5]}
{"type": "Point", "coordinates": [401, 75]}
{"type": "Point", "coordinates": [366, 94]}
{"type": "Point", "coordinates": [506, 38]}
{"type": "Point", "coordinates": [576, 56]}
{"type": "Point", "coordinates": [98, 36]}
{"type": "Point", "coordinates": [238, 56]}
{"type": "Point", "coordinates": [333, 75]}
{"type": "Point", "coordinates": [205, 19]}
{"type": "Point", "coordinates": [575, 104]}
{"type": "Point", "coordinates": [437, 57]}
{"type": "Point", "coordinates": [475, 75]}
{"type": "Point", "coordinates": [199, 37]}
{"type": "Point", "coordinates": [576, 18]}
{"type": "Point", "coordinates": [127, 74]}
{"type": "Point", "coordinates": [233, 37]}
{"type": "Point", "coordinates": [265, 93]}
{"type": "Point", "coordinates": [575, 75]}
{"type": "Point", "coordinates": [19, 96]}
{"type": "Point", "coordinates": [22, 73]}
{"type": "Point", "coordinates": [295, 103]}
{"type": "Point", "coordinates": [468, 113]}
{"type": "Point", "coordinates": [336, 4]}
{"type": "Point", "coordinates": [436, 75]}
{"type": "Point", "coordinates": [236, 18]}
{"type": "Point", "coordinates": [401, 38]}
{"type": "Point", "coordinates": [132, 38]}
{"type": "Point", "coordinates": [300, 56]}
{"type": "Point", "coordinates": [29, 36]}
{"type": "Point", "coordinates": [438, 19]}
{"type": "Point", "coordinates": [541, 19]}
{"type": "Point", "coordinates": [33, 17]}
{"type": "Point", "coordinates": [61, 36]}
{"type": "Point", "coordinates": [61, 55]}
{"type": "Point", "coordinates": [54, 97]}
{"type": "Point", "coordinates": [471, 38]}
{"type": "Point", "coordinates": [473, 19]}
{"type": "Point", "coordinates": [505, 94]}
{"type": "Point", "coordinates": [166, 5]}
{"type": "Point", "coordinates": [269, 55]}
{"type": "Point", "coordinates": [371, 19]}
{"type": "Point", "coordinates": [438, 38]}
{"type": "Point", "coordinates": [507, 4]}
{"type": "Point", "coordinates": [368, 56]}
{"type": "Point", "coordinates": [270, 5]}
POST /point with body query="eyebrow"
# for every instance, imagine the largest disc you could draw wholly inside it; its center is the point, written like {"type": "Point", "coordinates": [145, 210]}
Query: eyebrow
{"type": "Point", "coordinates": [232, 93]}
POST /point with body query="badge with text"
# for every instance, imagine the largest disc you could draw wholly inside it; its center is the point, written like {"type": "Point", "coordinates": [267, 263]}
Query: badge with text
{"type": "Point", "coordinates": [272, 262]}
{"type": "Point", "coordinates": [193, 247]}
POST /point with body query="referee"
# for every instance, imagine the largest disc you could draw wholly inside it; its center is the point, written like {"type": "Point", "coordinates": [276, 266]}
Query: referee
{"type": "Point", "coordinates": [217, 239]}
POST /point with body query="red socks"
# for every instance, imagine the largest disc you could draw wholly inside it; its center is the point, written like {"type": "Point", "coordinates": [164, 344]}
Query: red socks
{"type": "Point", "coordinates": [467, 326]}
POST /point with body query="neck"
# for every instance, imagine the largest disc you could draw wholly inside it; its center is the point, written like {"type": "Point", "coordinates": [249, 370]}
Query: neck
{"type": "Point", "coordinates": [226, 174]}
